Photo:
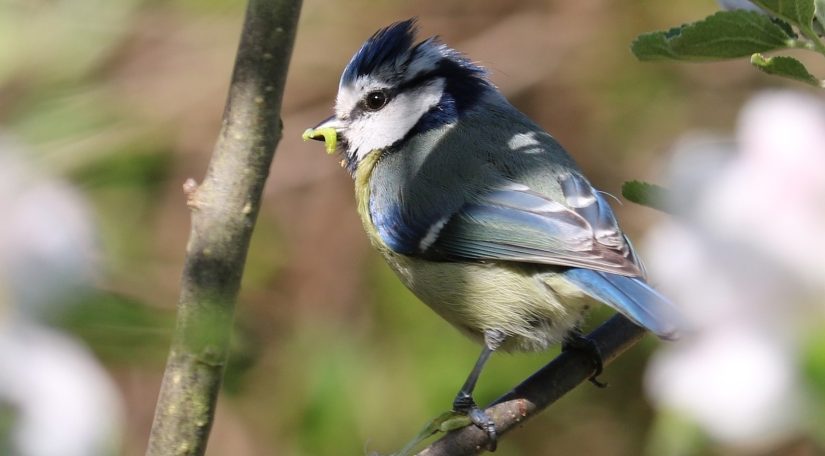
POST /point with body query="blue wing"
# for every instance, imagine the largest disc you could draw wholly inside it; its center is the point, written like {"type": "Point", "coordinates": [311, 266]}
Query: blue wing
{"type": "Point", "coordinates": [515, 223]}
{"type": "Point", "coordinates": [630, 296]}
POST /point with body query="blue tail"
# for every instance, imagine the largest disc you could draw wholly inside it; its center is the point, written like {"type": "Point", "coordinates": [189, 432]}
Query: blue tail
{"type": "Point", "coordinates": [630, 296]}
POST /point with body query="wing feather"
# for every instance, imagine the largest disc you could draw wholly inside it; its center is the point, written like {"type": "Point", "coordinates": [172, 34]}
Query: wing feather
{"type": "Point", "coordinates": [515, 223]}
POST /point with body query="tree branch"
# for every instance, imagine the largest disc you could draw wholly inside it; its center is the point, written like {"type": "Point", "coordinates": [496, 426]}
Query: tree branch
{"type": "Point", "coordinates": [224, 209]}
{"type": "Point", "coordinates": [543, 388]}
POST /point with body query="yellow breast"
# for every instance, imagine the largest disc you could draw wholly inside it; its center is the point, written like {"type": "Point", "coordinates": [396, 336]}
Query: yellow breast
{"type": "Point", "coordinates": [362, 198]}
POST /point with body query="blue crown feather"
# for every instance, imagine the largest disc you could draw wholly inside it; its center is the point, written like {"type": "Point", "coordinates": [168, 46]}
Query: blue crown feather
{"type": "Point", "coordinates": [392, 48]}
{"type": "Point", "coordinates": [381, 48]}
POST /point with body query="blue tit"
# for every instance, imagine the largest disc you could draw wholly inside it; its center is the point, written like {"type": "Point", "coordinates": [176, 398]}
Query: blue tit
{"type": "Point", "coordinates": [478, 210]}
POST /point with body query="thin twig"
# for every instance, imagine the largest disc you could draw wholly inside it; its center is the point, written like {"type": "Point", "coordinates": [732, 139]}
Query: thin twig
{"type": "Point", "coordinates": [224, 209]}
{"type": "Point", "coordinates": [540, 390]}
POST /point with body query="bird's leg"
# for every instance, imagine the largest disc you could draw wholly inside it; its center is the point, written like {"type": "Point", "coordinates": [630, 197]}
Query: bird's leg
{"type": "Point", "coordinates": [576, 341]}
{"type": "Point", "coordinates": [464, 402]}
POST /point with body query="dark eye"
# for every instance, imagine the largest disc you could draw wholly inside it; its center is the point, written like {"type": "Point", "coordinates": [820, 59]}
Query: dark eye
{"type": "Point", "coordinates": [375, 100]}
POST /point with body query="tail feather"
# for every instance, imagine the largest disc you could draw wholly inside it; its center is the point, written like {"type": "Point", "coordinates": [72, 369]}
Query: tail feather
{"type": "Point", "coordinates": [631, 297]}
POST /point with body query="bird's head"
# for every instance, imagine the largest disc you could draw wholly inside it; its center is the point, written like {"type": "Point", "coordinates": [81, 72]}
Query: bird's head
{"type": "Point", "coordinates": [393, 89]}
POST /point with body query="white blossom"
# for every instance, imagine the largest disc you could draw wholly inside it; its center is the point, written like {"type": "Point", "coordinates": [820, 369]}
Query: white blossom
{"type": "Point", "coordinates": [62, 401]}
{"type": "Point", "coordinates": [743, 257]}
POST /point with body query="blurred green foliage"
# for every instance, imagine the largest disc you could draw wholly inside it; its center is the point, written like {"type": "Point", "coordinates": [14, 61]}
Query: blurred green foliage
{"type": "Point", "coordinates": [813, 368]}
{"type": "Point", "coordinates": [7, 418]}
{"type": "Point", "coordinates": [120, 329]}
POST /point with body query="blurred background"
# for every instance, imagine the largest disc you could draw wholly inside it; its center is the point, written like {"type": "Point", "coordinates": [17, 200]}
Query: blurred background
{"type": "Point", "coordinates": [107, 107]}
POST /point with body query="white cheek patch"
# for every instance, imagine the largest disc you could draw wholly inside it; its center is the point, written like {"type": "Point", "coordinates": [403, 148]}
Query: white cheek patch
{"type": "Point", "coordinates": [380, 129]}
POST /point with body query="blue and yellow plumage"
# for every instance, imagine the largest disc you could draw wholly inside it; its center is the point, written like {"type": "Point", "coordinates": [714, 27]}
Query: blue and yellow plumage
{"type": "Point", "coordinates": [477, 209]}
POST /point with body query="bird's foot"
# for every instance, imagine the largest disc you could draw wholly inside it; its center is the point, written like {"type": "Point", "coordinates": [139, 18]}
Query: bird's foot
{"type": "Point", "coordinates": [586, 345]}
{"type": "Point", "coordinates": [465, 405]}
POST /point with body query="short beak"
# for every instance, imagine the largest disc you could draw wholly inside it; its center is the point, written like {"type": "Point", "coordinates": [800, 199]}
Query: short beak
{"type": "Point", "coordinates": [326, 131]}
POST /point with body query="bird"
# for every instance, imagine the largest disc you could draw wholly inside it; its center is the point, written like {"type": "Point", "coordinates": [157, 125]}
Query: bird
{"type": "Point", "coordinates": [478, 210]}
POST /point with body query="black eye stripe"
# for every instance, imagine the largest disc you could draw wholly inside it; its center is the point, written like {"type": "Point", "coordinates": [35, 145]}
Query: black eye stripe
{"type": "Point", "coordinates": [391, 92]}
{"type": "Point", "coordinates": [419, 80]}
{"type": "Point", "coordinates": [443, 69]}
{"type": "Point", "coordinates": [362, 107]}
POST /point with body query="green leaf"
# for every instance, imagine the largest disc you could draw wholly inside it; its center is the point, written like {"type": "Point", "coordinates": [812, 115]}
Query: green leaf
{"type": "Point", "coordinates": [784, 66]}
{"type": "Point", "coordinates": [724, 35]}
{"type": "Point", "coordinates": [800, 12]}
{"type": "Point", "coordinates": [655, 45]}
{"type": "Point", "coordinates": [786, 27]}
{"type": "Point", "coordinates": [813, 362]}
{"type": "Point", "coordinates": [650, 195]}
